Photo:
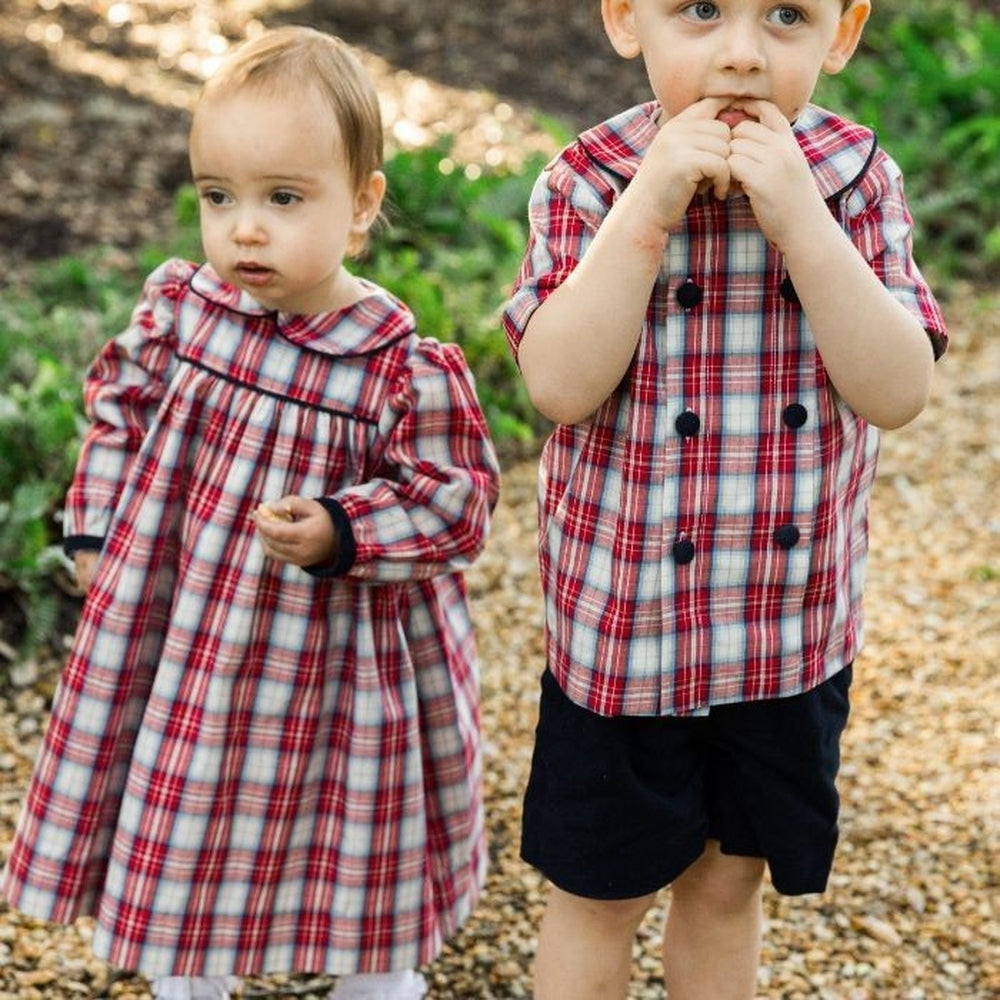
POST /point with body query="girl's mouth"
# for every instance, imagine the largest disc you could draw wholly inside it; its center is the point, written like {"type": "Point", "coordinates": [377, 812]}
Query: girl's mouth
{"type": "Point", "coordinates": [253, 274]}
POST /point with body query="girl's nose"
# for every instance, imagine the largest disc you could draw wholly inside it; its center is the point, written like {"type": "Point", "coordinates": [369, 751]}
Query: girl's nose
{"type": "Point", "coordinates": [247, 230]}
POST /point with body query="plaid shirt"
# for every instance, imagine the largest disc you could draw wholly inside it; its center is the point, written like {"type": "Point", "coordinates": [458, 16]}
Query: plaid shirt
{"type": "Point", "coordinates": [250, 767]}
{"type": "Point", "coordinates": [703, 536]}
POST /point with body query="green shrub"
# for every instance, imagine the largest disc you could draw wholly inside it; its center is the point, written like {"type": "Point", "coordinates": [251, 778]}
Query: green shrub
{"type": "Point", "coordinates": [451, 251]}
{"type": "Point", "coordinates": [926, 80]}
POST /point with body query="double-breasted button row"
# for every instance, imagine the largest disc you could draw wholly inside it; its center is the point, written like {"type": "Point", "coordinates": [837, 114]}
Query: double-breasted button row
{"type": "Point", "coordinates": [785, 536]}
{"type": "Point", "coordinates": [690, 294]}
{"type": "Point", "coordinates": [688, 423]}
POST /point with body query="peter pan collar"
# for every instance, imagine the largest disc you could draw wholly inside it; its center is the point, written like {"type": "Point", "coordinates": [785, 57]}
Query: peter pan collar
{"type": "Point", "coordinates": [368, 325]}
{"type": "Point", "coordinates": [839, 152]}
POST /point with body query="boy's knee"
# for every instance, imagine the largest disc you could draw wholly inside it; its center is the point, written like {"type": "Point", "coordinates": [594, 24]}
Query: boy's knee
{"type": "Point", "coordinates": [722, 883]}
{"type": "Point", "coordinates": [610, 913]}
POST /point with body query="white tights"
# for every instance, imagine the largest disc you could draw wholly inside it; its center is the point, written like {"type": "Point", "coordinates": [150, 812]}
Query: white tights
{"type": "Point", "coordinates": [380, 986]}
{"type": "Point", "coordinates": [368, 986]}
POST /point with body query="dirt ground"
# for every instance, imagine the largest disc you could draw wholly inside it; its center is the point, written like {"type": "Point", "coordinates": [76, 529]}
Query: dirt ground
{"type": "Point", "coordinates": [93, 99]}
{"type": "Point", "coordinates": [95, 94]}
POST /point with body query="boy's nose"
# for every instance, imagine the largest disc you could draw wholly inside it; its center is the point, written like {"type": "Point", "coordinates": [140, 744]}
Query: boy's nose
{"type": "Point", "coordinates": [742, 50]}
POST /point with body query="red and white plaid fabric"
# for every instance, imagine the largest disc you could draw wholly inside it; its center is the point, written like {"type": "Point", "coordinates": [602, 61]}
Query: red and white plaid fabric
{"type": "Point", "coordinates": [250, 767]}
{"type": "Point", "coordinates": [703, 536]}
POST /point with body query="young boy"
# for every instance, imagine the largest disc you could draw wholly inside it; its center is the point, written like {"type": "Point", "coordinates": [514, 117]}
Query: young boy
{"type": "Point", "coordinates": [718, 309]}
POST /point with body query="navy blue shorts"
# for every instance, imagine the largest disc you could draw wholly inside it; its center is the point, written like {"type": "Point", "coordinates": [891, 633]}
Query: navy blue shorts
{"type": "Point", "coordinates": [617, 808]}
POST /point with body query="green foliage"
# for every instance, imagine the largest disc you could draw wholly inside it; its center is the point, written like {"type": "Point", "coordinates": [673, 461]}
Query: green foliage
{"type": "Point", "coordinates": [39, 433]}
{"type": "Point", "coordinates": [926, 80]}
{"type": "Point", "coordinates": [451, 251]}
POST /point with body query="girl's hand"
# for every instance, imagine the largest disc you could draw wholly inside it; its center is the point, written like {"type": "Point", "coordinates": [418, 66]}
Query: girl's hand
{"type": "Point", "coordinates": [769, 165]}
{"type": "Point", "coordinates": [85, 564]}
{"type": "Point", "coordinates": [297, 531]}
{"type": "Point", "coordinates": [689, 154]}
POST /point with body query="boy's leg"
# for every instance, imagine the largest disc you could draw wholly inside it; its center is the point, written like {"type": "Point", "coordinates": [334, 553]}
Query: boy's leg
{"type": "Point", "coordinates": [585, 946]}
{"type": "Point", "coordinates": [711, 945]}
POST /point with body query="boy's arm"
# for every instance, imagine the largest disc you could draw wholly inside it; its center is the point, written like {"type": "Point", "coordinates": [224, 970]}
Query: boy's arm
{"type": "Point", "coordinates": [579, 343]}
{"type": "Point", "coordinates": [875, 351]}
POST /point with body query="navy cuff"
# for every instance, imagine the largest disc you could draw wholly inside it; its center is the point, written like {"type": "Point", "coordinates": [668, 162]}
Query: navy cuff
{"type": "Point", "coordinates": [82, 543]}
{"type": "Point", "coordinates": [347, 548]}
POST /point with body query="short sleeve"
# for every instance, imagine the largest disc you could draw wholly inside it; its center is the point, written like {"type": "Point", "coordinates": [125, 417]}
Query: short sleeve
{"type": "Point", "coordinates": [881, 227]}
{"type": "Point", "coordinates": [564, 213]}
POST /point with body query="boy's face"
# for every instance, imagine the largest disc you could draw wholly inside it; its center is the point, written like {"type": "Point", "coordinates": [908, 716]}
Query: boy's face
{"type": "Point", "coordinates": [740, 49]}
{"type": "Point", "coordinates": [278, 210]}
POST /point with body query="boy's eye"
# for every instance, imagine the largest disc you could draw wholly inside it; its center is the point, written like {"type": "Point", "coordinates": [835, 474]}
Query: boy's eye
{"type": "Point", "coordinates": [284, 198]}
{"type": "Point", "coordinates": [786, 16]}
{"type": "Point", "coordinates": [703, 11]}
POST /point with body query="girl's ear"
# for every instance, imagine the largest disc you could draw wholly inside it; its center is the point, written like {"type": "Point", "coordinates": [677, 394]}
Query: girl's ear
{"type": "Point", "coordinates": [852, 23]}
{"type": "Point", "coordinates": [619, 26]}
{"type": "Point", "coordinates": [367, 207]}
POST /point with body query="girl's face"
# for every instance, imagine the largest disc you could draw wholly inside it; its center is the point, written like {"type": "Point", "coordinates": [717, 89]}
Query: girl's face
{"type": "Point", "coordinates": [741, 49]}
{"type": "Point", "coordinates": [278, 209]}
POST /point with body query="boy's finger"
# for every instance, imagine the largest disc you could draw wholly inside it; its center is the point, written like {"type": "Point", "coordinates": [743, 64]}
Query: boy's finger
{"type": "Point", "coordinates": [707, 108]}
{"type": "Point", "coordinates": [767, 114]}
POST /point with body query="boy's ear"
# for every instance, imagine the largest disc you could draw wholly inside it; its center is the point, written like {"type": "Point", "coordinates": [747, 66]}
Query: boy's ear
{"type": "Point", "coordinates": [619, 26]}
{"type": "Point", "coordinates": [852, 23]}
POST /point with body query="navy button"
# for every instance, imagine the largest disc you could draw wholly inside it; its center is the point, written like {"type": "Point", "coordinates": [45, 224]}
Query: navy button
{"type": "Point", "coordinates": [788, 292]}
{"type": "Point", "coordinates": [683, 551]}
{"type": "Point", "coordinates": [795, 415]}
{"type": "Point", "coordinates": [787, 536]}
{"type": "Point", "coordinates": [689, 294]}
{"type": "Point", "coordinates": [688, 424]}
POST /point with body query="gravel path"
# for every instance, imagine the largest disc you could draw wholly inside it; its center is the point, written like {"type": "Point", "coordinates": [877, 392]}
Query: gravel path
{"type": "Point", "coordinates": [911, 913]}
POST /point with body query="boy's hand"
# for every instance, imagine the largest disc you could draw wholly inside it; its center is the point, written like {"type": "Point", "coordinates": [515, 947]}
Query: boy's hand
{"type": "Point", "coordinates": [690, 153]}
{"type": "Point", "coordinates": [296, 530]}
{"type": "Point", "coordinates": [767, 162]}
{"type": "Point", "coordinates": [85, 564]}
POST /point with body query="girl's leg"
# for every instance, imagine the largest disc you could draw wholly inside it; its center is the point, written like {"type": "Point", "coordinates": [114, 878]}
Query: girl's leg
{"type": "Point", "coordinates": [585, 947]}
{"type": "Point", "coordinates": [406, 985]}
{"type": "Point", "coordinates": [194, 987]}
{"type": "Point", "coordinates": [711, 945]}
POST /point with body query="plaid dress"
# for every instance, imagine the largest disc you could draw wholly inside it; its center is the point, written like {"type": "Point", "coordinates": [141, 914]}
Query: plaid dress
{"type": "Point", "coordinates": [251, 767]}
{"type": "Point", "coordinates": [703, 535]}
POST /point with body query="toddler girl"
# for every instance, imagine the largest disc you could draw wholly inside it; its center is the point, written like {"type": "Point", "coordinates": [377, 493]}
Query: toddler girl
{"type": "Point", "coordinates": [264, 753]}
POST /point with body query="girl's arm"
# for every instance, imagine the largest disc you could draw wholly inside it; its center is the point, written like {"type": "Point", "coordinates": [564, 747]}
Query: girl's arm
{"type": "Point", "coordinates": [122, 391]}
{"type": "Point", "coordinates": [428, 509]}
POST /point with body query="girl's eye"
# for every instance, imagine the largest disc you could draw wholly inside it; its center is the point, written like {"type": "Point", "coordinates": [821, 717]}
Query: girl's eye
{"type": "Point", "coordinates": [214, 197]}
{"type": "Point", "coordinates": [284, 198]}
{"type": "Point", "coordinates": [787, 17]}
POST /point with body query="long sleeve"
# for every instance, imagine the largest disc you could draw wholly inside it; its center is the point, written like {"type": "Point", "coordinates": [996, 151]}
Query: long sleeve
{"type": "Point", "coordinates": [122, 392]}
{"type": "Point", "coordinates": [427, 510]}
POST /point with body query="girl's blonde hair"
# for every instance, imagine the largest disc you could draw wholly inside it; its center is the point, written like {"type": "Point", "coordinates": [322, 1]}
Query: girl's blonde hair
{"type": "Point", "coordinates": [290, 59]}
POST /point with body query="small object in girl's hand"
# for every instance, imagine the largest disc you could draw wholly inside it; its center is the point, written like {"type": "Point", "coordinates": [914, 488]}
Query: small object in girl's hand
{"type": "Point", "coordinates": [270, 513]}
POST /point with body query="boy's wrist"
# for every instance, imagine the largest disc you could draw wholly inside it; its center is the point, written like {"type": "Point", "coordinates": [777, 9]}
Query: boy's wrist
{"type": "Point", "coordinates": [644, 214]}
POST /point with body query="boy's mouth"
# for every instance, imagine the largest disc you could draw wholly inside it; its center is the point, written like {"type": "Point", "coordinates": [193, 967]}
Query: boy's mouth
{"type": "Point", "coordinates": [733, 116]}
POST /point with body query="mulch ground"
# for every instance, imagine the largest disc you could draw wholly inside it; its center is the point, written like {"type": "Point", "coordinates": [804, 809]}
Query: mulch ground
{"type": "Point", "coordinates": [912, 909]}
